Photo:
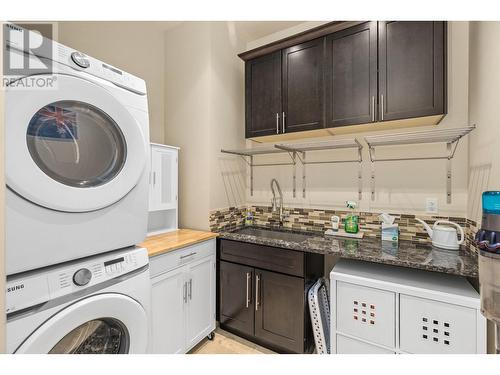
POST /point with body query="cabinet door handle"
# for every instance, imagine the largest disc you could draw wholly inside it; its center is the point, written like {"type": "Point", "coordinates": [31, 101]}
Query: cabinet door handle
{"type": "Point", "coordinates": [373, 108]}
{"type": "Point", "coordinates": [185, 292]}
{"type": "Point", "coordinates": [188, 255]}
{"type": "Point", "coordinates": [257, 287]}
{"type": "Point", "coordinates": [190, 289]}
{"type": "Point", "coordinates": [154, 178]}
{"type": "Point", "coordinates": [277, 123]}
{"type": "Point", "coordinates": [283, 121]}
{"type": "Point", "coordinates": [249, 279]}
{"type": "Point", "coordinates": [382, 107]}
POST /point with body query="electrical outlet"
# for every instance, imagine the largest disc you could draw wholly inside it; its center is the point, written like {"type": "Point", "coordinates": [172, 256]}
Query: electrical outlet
{"type": "Point", "coordinates": [431, 205]}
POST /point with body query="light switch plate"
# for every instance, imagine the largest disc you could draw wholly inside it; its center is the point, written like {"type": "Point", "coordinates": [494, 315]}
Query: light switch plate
{"type": "Point", "coordinates": [431, 205]}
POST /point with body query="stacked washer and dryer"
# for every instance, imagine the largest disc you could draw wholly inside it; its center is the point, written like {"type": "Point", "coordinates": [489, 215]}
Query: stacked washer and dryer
{"type": "Point", "coordinates": [76, 204]}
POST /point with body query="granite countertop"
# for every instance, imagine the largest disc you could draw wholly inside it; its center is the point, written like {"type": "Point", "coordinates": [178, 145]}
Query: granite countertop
{"type": "Point", "coordinates": [404, 253]}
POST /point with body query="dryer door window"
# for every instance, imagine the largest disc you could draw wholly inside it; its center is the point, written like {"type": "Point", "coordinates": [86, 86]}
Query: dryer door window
{"type": "Point", "coordinates": [76, 144]}
{"type": "Point", "coordinates": [99, 336]}
{"type": "Point", "coordinates": [80, 148]}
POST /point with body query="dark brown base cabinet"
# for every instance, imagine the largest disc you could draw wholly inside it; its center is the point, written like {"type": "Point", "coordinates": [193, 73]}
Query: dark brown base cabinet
{"type": "Point", "coordinates": [263, 294]}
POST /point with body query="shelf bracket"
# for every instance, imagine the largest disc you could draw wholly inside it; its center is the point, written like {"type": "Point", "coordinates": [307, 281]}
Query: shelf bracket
{"type": "Point", "coordinates": [251, 175]}
{"type": "Point", "coordinates": [293, 156]}
{"type": "Point", "coordinates": [303, 174]}
{"type": "Point", "coordinates": [372, 176]}
{"type": "Point", "coordinates": [448, 171]}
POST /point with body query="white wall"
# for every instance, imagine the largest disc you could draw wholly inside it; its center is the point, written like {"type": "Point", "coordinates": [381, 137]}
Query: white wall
{"type": "Point", "coordinates": [204, 113]}
{"type": "Point", "coordinates": [484, 111]}
{"type": "Point", "coordinates": [187, 80]}
{"type": "Point", "coordinates": [136, 47]}
{"type": "Point", "coordinates": [400, 186]}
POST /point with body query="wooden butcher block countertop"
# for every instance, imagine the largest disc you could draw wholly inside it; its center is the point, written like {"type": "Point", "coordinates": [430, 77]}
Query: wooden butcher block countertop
{"type": "Point", "coordinates": [163, 243]}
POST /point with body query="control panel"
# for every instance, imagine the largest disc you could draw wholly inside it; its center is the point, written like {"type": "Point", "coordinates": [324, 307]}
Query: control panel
{"type": "Point", "coordinates": [34, 288]}
{"type": "Point", "coordinates": [77, 60]}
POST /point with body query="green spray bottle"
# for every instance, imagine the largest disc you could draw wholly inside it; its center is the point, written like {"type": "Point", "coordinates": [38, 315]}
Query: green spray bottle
{"type": "Point", "coordinates": [351, 222]}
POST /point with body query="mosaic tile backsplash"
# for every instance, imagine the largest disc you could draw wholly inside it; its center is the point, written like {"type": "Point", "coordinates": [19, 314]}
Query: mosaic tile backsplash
{"type": "Point", "coordinates": [317, 220]}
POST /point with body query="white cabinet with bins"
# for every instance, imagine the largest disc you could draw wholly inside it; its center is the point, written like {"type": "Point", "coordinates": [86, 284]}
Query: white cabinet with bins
{"type": "Point", "coordinates": [163, 189]}
{"type": "Point", "coordinates": [377, 308]}
{"type": "Point", "coordinates": [183, 298]}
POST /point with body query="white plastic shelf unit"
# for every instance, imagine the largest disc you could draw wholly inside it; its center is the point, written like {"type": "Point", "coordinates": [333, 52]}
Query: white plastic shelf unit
{"type": "Point", "coordinates": [297, 151]}
{"type": "Point", "coordinates": [300, 149]}
{"type": "Point", "coordinates": [250, 153]}
{"type": "Point", "coordinates": [450, 137]}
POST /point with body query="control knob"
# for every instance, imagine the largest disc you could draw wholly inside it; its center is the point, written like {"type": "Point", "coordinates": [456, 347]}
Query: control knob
{"type": "Point", "coordinates": [82, 277]}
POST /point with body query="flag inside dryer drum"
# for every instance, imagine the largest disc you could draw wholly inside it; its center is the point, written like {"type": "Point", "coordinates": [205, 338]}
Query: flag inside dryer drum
{"type": "Point", "coordinates": [55, 123]}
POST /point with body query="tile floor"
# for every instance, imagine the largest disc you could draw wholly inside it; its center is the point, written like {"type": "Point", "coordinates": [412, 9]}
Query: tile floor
{"type": "Point", "coordinates": [227, 343]}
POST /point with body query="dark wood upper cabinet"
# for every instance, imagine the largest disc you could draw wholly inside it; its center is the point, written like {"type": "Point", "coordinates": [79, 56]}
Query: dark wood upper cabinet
{"type": "Point", "coordinates": [303, 86]}
{"type": "Point", "coordinates": [279, 317]}
{"type": "Point", "coordinates": [411, 69]}
{"type": "Point", "coordinates": [263, 95]}
{"type": "Point", "coordinates": [351, 76]}
{"type": "Point", "coordinates": [369, 72]}
{"type": "Point", "coordinates": [237, 297]}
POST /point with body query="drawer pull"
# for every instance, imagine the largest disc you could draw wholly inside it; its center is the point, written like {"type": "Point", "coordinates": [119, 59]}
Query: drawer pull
{"type": "Point", "coordinates": [190, 289]}
{"type": "Point", "coordinates": [249, 279]}
{"type": "Point", "coordinates": [257, 287]}
{"type": "Point", "coordinates": [188, 255]}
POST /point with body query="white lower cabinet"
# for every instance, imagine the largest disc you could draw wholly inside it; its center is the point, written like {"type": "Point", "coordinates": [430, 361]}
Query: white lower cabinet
{"type": "Point", "coordinates": [429, 326]}
{"type": "Point", "coordinates": [377, 308]}
{"type": "Point", "coordinates": [366, 312]}
{"type": "Point", "coordinates": [347, 345]}
{"type": "Point", "coordinates": [183, 298]}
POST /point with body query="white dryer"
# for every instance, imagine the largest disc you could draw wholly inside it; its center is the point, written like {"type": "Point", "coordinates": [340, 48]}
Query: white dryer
{"type": "Point", "coordinates": [76, 162]}
{"type": "Point", "coordinates": [98, 305]}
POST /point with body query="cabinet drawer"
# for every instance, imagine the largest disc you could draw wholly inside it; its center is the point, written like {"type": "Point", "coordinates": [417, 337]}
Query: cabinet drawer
{"type": "Point", "coordinates": [347, 345]}
{"type": "Point", "coordinates": [173, 259]}
{"type": "Point", "coordinates": [366, 313]}
{"type": "Point", "coordinates": [264, 257]}
{"type": "Point", "coordinates": [428, 326]}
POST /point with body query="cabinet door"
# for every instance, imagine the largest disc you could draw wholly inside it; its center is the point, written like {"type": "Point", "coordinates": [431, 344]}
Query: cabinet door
{"type": "Point", "coordinates": [201, 300]}
{"type": "Point", "coordinates": [236, 297]}
{"type": "Point", "coordinates": [279, 310]}
{"type": "Point", "coordinates": [351, 76]}
{"type": "Point", "coordinates": [263, 95]}
{"type": "Point", "coordinates": [303, 86]}
{"type": "Point", "coordinates": [167, 313]}
{"type": "Point", "coordinates": [164, 171]}
{"type": "Point", "coordinates": [411, 69]}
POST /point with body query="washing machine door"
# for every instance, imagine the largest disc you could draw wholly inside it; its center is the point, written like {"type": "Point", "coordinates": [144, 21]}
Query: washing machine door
{"type": "Point", "coordinates": [102, 324]}
{"type": "Point", "coordinates": [75, 148]}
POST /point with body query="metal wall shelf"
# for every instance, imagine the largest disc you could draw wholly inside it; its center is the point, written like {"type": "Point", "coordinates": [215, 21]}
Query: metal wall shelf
{"type": "Point", "coordinates": [450, 137]}
{"type": "Point", "coordinates": [297, 151]}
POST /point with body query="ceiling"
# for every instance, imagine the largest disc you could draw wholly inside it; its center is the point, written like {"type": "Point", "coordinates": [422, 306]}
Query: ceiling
{"type": "Point", "coordinates": [252, 30]}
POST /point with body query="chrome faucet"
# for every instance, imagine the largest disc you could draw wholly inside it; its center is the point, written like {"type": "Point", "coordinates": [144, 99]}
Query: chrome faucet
{"type": "Point", "coordinates": [277, 203]}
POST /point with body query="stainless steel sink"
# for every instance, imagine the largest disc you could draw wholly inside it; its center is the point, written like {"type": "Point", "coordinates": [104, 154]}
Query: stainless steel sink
{"type": "Point", "coordinates": [274, 234]}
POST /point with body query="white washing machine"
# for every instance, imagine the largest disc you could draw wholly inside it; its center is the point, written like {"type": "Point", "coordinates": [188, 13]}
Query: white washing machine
{"type": "Point", "coordinates": [98, 305]}
{"type": "Point", "coordinates": [76, 162]}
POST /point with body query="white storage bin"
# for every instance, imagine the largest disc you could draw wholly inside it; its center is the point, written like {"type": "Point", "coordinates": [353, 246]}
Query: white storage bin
{"type": "Point", "coordinates": [415, 311]}
{"type": "Point", "coordinates": [347, 345]}
{"type": "Point", "coordinates": [428, 327]}
{"type": "Point", "coordinates": [366, 313]}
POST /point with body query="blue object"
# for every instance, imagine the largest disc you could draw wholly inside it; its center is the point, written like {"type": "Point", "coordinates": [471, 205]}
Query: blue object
{"type": "Point", "coordinates": [491, 202]}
